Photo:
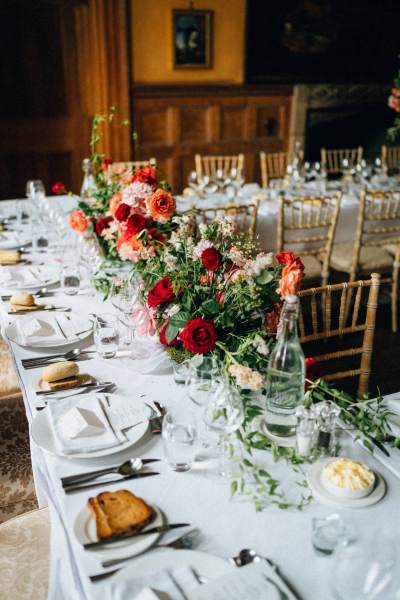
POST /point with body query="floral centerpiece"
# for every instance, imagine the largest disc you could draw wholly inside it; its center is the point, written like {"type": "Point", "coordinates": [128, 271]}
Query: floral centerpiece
{"type": "Point", "coordinates": [394, 104]}
{"type": "Point", "coordinates": [213, 293]}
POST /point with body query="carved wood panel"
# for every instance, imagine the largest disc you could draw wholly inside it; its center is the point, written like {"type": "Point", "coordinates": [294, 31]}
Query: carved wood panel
{"type": "Point", "coordinates": [175, 123]}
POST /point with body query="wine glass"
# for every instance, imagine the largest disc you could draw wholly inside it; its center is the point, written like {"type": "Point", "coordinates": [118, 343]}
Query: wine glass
{"type": "Point", "coordinates": [368, 569]}
{"type": "Point", "coordinates": [34, 188]}
{"type": "Point", "coordinates": [224, 415]}
{"type": "Point", "coordinates": [124, 295]}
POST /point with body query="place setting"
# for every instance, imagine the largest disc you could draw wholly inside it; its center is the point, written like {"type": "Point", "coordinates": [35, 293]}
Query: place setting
{"type": "Point", "coordinates": [49, 330]}
{"type": "Point", "coordinates": [27, 277]}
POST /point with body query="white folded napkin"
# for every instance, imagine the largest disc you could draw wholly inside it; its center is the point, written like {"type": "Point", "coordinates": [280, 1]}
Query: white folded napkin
{"type": "Point", "coordinates": [34, 330]}
{"type": "Point", "coordinates": [65, 445]}
{"type": "Point", "coordinates": [176, 584]}
{"type": "Point", "coordinates": [26, 276]}
{"type": "Point", "coordinates": [9, 239]}
{"type": "Point", "coordinates": [150, 356]}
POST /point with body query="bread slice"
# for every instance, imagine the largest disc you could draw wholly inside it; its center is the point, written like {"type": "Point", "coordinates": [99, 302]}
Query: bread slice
{"type": "Point", "coordinates": [119, 512]}
{"type": "Point", "coordinates": [9, 257]}
{"type": "Point", "coordinates": [20, 307]}
{"type": "Point", "coordinates": [23, 299]}
{"type": "Point", "coordinates": [60, 371]}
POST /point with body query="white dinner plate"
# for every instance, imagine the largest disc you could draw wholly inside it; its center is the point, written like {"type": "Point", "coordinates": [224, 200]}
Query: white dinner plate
{"type": "Point", "coordinates": [206, 566]}
{"type": "Point", "coordinates": [322, 494]}
{"type": "Point", "coordinates": [12, 332]}
{"type": "Point", "coordinates": [85, 532]}
{"type": "Point", "coordinates": [9, 240]}
{"type": "Point", "coordinates": [44, 277]}
{"type": "Point", "coordinates": [42, 435]}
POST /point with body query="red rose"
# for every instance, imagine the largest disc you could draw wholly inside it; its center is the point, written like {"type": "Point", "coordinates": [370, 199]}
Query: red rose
{"type": "Point", "coordinates": [313, 370]}
{"type": "Point", "coordinates": [58, 188]}
{"type": "Point", "coordinates": [211, 259]}
{"type": "Point", "coordinates": [135, 224]}
{"type": "Point", "coordinates": [105, 163]}
{"type": "Point", "coordinates": [199, 336]}
{"type": "Point", "coordinates": [287, 258]}
{"type": "Point", "coordinates": [102, 224]}
{"type": "Point", "coordinates": [122, 212]}
{"type": "Point", "coordinates": [145, 175]}
{"type": "Point", "coordinates": [162, 292]}
{"type": "Point", "coordinates": [220, 297]}
{"type": "Point", "coordinates": [163, 339]}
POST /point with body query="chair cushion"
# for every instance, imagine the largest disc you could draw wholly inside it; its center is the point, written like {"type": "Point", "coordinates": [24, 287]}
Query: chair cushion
{"type": "Point", "coordinates": [372, 258]}
{"type": "Point", "coordinates": [8, 379]}
{"type": "Point", "coordinates": [24, 556]}
{"type": "Point", "coordinates": [312, 267]}
{"type": "Point", "coordinates": [17, 490]}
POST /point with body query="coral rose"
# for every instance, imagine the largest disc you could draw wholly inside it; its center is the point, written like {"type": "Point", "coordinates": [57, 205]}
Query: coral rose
{"type": "Point", "coordinates": [286, 258]}
{"type": "Point", "coordinates": [161, 293]}
{"type": "Point", "coordinates": [161, 206]}
{"type": "Point", "coordinates": [199, 336]}
{"type": "Point", "coordinates": [272, 319]}
{"type": "Point", "coordinates": [394, 103]}
{"type": "Point", "coordinates": [135, 224]}
{"type": "Point", "coordinates": [122, 212]}
{"type": "Point", "coordinates": [291, 279]}
{"type": "Point", "coordinates": [211, 259]}
{"type": "Point", "coordinates": [78, 221]}
{"type": "Point", "coordinates": [115, 202]}
{"type": "Point", "coordinates": [145, 175]}
{"type": "Point", "coordinates": [102, 224]}
{"type": "Point", "coordinates": [58, 188]}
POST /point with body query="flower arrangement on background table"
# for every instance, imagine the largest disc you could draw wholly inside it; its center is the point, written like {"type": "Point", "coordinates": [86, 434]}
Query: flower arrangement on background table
{"type": "Point", "coordinates": [394, 104]}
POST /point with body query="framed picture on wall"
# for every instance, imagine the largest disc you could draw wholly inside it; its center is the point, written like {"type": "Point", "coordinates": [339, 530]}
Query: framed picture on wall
{"type": "Point", "coordinates": [192, 39]}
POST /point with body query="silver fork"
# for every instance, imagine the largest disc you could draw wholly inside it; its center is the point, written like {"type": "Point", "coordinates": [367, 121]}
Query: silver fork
{"type": "Point", "coordinates": [188, 540]}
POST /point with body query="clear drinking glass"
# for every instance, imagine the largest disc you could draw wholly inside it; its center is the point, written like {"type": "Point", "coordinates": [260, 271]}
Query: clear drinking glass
{"type": "Point", "coordinates": [180, 371]}
{"type": "Point", "coordinates": [330, 533]}
{"type": "Point", "coordinates": [106, 335]}
{"type": "Point", "coordinates": [35, 189]}
{"type": "Point", "coordinates": [123, 295]}
{"type": "Point", "coordinates": [179, 438]}
{"type": "Point", "coordinates": [40, 237]}
{"type": "Point", "coordinates": [70, 278]}
{"type": "Point", "coordinates": [202, 373]}
{"type": "Point", "coordinates": [367, 570]}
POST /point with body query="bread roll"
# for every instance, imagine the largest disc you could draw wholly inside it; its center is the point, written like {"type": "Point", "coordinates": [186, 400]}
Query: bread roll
{"type": "Point", "coordinates": [60, 370]}
{"type": "Point", "coordinates": [23, 299]}
{"type": "Point", "coordinates": [9, 257]}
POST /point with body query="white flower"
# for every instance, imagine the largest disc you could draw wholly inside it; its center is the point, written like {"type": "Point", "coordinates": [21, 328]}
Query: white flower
{"type": "Point", "coordinates": [171, 261]}
{"type": "Point", "coordinates": [202, 228]}
{"type": "Point", "coordinates": [171, 311]}
{"type": "Point", "coordinates": [226, 225]}
{"type": "Point", "coordinates": [201, 247]}
{"type": "Point", "coordinates": [135, 192]}
{"type": "Point", "coordinates": [246, 377]}
{"type": "Point", "coordinates": [260, 345]}
{"type": "Point", "coordinates": [259, 264]}
{"type": "Point", "coordinates": [236, 256]}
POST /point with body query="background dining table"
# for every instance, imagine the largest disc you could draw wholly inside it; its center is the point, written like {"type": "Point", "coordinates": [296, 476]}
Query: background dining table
{"type": "Point", "coordinates": [198, 497]}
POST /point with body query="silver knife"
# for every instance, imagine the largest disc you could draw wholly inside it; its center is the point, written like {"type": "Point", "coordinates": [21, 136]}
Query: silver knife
{"type": "Point", "coordinates": [87, 486]}
{"type": "Point", "coordinates": [60, 328]}
{"type": "Point", "coordinates": [78, 387]}
{"type": "Point", "coordinates": [152, 530]}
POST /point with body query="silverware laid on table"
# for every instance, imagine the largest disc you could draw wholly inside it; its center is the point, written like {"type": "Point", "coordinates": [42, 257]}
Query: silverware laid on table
{"type": "Point", "coordinates": [133, 534]}
{"type": "Point", "coordinates": [108, 387]}
{"type": "Point", "coordinates": [70, 355]}
{"type": "Point", "coordinates": [42, 293]}
{"type": "Point", "coordinates": [37, 365]}
{"type": "Point", "coordinates": [87, 486]}
{"type": "Point", "coordinates": [282, 594]}
{"type": "Point", "coordinates": [186, 541]}
{"type": "Point", "coordinates": [44, 308]}
{"type": "Point", "coordinates": [156, 417]}
{"type": "Point", "coordinates": [129, 467]}
{"type": "Point", "coordinates": [90, 384]}
{"type": "Point", "coordinates": [247, 556]}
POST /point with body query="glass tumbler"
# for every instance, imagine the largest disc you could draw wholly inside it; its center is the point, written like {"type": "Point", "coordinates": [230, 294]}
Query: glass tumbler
{"type": "Point", "coordinates": [179, 438]}
{"type": "Point", "coordinates": [106, 335]}
{"type": "Point", "coordinates": [201, 377]}
{"type": "Point", "coordinates": [70, 278]}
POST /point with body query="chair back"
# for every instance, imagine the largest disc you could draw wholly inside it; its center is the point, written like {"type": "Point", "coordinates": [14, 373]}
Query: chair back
{"type": "Point", "coordinates": [273, 166]}
{"type": "Point", "coordinates": [378, 223]}
{"type": "Point", "coordinates": [390, 157]}
{"type": "Point", "coordinates": [331, 160]}
{"type": "Point", "coordinates": [307, 226]}
{"type": "Point", "coordinates": [324, 315]}
{"type": "Point", "coordinates": [243, 216]}
{"type": "Point", "coordinates": [209, 165]}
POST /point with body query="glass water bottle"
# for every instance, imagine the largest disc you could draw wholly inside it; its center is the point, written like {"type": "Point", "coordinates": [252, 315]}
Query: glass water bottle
{"type": "Point", "coordinates": [88, 183]}
{"type": "Point", "coordinates": [285, 374]}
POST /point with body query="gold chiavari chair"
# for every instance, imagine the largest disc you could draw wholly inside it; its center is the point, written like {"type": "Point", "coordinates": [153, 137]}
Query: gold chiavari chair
{"type": "Point", "coordinates": [331, 160]}
{"type": "Point", "coordinates": [377, 241]}
{"type": "Point", "coordinates": [273, 166]}
{"type": "Point", "coordinates": [209, 165]}
{"type": "Point", "coordinates": [244, 216]}
{"type": "Point", "coordinates": [307, 225]}
{"type": "Point", "coordinates": [324, 315]}
{"type": "Point", "coordinates": [390, 157]}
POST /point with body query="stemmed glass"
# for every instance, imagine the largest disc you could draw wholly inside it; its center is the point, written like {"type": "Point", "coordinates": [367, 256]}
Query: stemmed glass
{"type": "Point", "coordinates": [224, 415]}
{"type": "Point", "coordinates": [202, 375]}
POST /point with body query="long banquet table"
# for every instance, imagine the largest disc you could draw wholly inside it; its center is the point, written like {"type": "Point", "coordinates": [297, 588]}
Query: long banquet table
{"type": "Point", "coordinates": [195, 497]}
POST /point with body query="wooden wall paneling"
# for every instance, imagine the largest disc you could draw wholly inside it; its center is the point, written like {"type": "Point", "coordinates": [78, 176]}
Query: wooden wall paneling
{"type": "Point", "coordinates": [173, 124]}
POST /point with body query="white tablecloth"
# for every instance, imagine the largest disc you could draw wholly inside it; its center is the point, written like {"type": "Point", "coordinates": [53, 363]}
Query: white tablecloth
{"type": "Point", "coordinates": [195, 497]}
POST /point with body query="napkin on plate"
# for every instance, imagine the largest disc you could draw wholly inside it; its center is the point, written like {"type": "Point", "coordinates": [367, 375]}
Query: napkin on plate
{"type": "Point", "coordinates": [176, 584]}
{"type": "Point", "coordinates": [25, 276]}
{"type": "Point", "coordinates": [35, 330]}
{"type": "Point", "coordinates": [8, 239]}
{"type": "Point", "coordinates": [65, 445]}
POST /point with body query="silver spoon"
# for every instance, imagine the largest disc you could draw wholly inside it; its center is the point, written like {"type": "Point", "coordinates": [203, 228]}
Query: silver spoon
{"type": "Point", "coordinates": [130, 467]}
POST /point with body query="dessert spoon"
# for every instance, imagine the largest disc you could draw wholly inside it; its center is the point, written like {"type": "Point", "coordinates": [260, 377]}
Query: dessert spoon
{"type": "Point", "coordinates": [129, 467]}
